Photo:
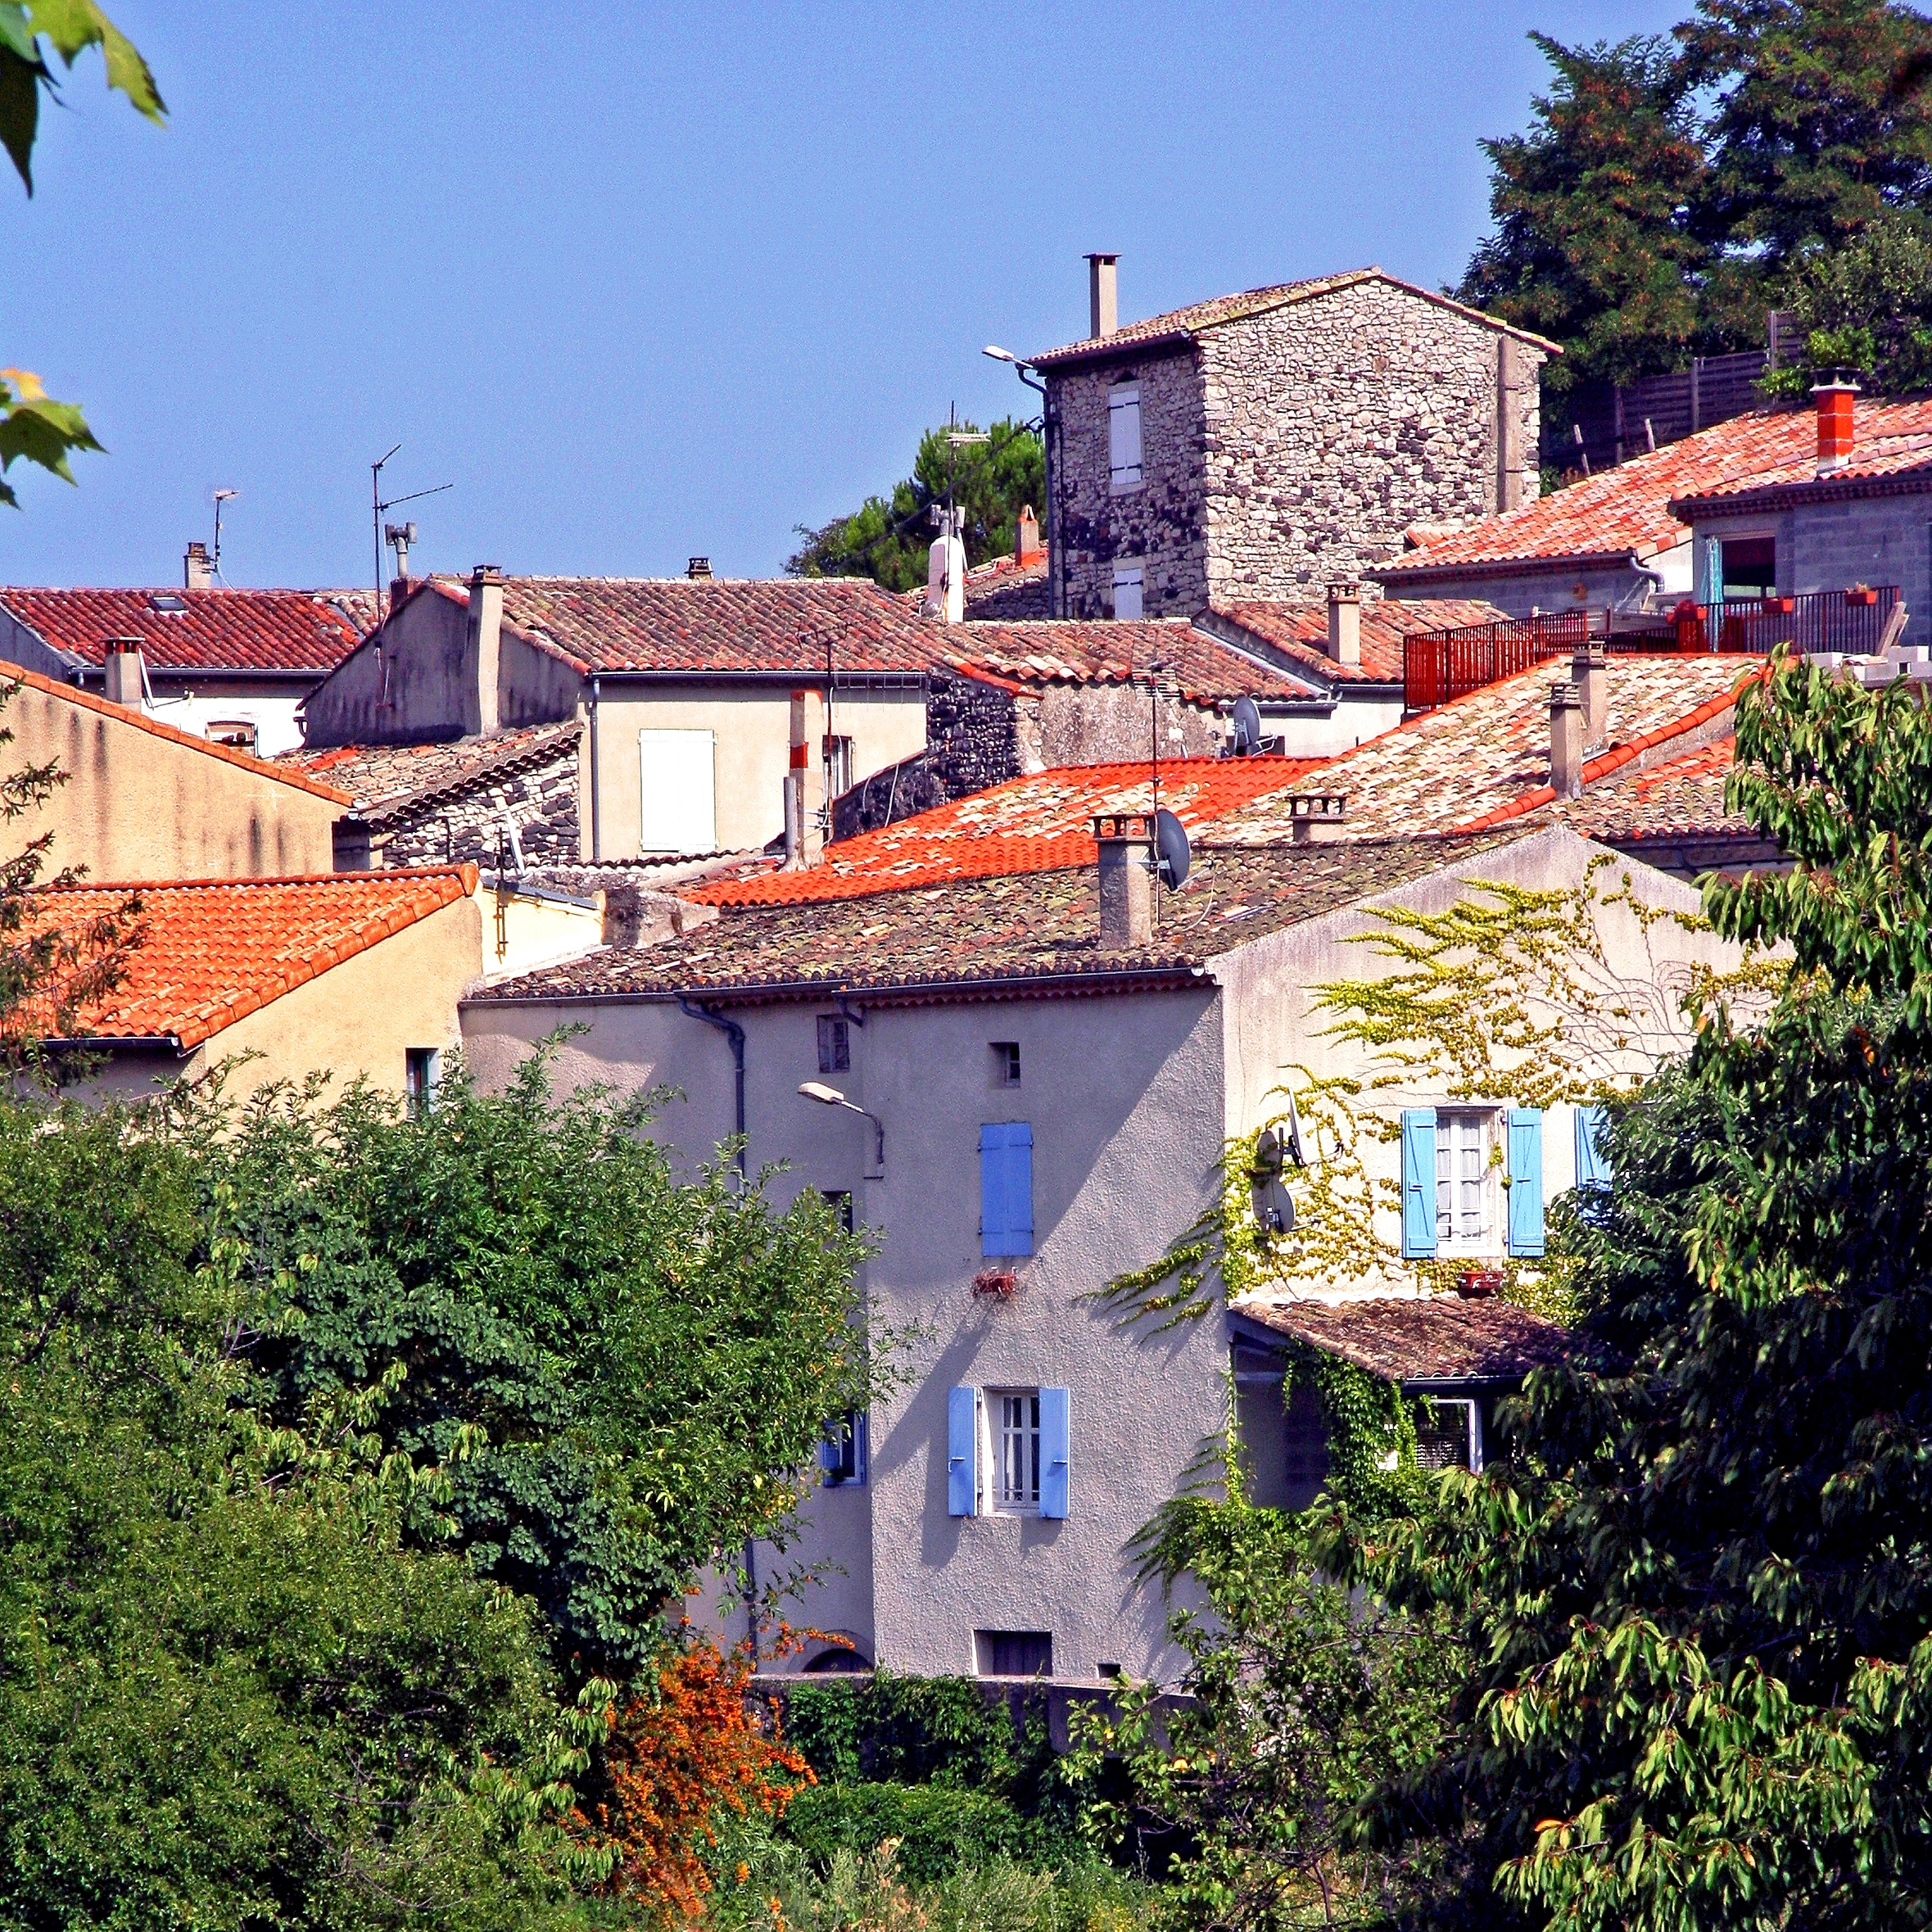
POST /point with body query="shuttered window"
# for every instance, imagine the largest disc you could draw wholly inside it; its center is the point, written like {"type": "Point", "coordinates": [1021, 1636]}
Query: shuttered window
{"type": "Point", "coordinates": [678, 784]}
{"type": "Point", "coordinates": [1593, 1157]}
{"type": "Point", "coordinates": [1123, 436]}
{"type": "Point", "coordinates": [1525, 1151]}
{"type": "Point", "coordinates": [962, 1452]}
{"type": "Point", "coordinates": [1130, 593]}
{"type": "Point", "coordinates": [1419, 1183]}
{"type": "Point", "coordinates": [1005, 1188]}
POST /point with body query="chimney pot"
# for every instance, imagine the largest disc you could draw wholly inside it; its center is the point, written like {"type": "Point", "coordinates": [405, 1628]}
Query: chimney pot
{"type": "Point", "coordinates": [698, 569]}
{"type": "Point", "coordinates": [1345, 623]}
{"type": "Point", "coordinates": [1126, 842]}
{"type": "Point", "coordinates": [121, 679]}
{"type": "Point", "coordinates": [1566, 740]}
{"type": "Point", "coordinates": [197, 571]}
{"type": "Point", "coordinates": [1834, 393]}
{"type": "Point", "coordinates": [1026, 544]}
{"type": "Point", "coordinates": [1590, 673]}
{"type": "Point", "coordinates": [1103, 295]}
{"type": "Point", "coordinates": [1317, 817]}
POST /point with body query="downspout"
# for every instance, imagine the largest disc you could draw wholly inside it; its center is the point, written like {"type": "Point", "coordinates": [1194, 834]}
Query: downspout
{"type": "Point", "coordinates": [596, 820]}
{"type": "Point", "coordinates": [735, 1034]}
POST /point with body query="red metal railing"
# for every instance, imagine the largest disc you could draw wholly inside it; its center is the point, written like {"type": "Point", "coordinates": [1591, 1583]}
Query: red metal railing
{"type": "Point", "coordinates": [1440, 665]}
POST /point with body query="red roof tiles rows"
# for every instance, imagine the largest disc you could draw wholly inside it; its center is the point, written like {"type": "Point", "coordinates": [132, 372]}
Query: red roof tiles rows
{"type": "Point", "coordinates": [1300, 631]}
{"type": "Point", "coordinates": [271, 631]}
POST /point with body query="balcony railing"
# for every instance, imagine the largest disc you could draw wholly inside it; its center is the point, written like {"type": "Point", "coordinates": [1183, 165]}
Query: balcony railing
{"type": "Point", "coordinates": [1440, 665]}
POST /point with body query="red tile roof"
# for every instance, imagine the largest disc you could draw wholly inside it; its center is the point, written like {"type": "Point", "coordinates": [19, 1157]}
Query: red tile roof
{"type": "Point", "coordinates": [1027, 825]}
{"type": "Point", "coordinates": [1205, 669]}
{"type": "Point", "coordinates": [139, 720]}
{"type": "Point", "coordinates": [211, 630]}
{"type": "Point", "coordinates": [713, 624]}
{"type": "Point", "coordinates": [1180, 325]}
{"type": "Point", "coordinates": [1633, 510]}
{"type": "Point", "coordinates": [1420, 1338]}
{"type": "Point", "coordinates": [1484, 760]}
{"type": "Point", "coordinates": [383, 776]}
{"type": "Point", "coordinates": [215, 950]}
{"type": "Point", "coordinates": [1682, 796]}
{"type": "Point", "coordinates": [1300, 631]}
{"type": "Point", "coordinates": [1891, 447]}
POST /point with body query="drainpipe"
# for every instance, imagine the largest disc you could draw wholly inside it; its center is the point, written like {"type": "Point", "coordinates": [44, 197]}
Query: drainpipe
{"type": "Point", "coordinates": [735, 1034]}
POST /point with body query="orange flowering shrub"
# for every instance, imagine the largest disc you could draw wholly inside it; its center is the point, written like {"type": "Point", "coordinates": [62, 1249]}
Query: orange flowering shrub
{"type": "Point", "coordinates": [671, 1761]}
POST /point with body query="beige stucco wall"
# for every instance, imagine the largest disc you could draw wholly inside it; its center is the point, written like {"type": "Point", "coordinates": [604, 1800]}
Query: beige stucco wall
{"type": "Point", "coordinates": [359, 1018]}
{"type": "Point", "coordinates": [752, 753]}
{"type": "Point", "coordinates": [139, 805]}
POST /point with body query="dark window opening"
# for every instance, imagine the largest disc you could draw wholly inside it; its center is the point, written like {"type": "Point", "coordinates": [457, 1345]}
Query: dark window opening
{"type": "Point", "coordinates": [842, 1451]}
{"type": "Point", "coordinates": [841, 1199]}
{"type": "Point", "coordinates": [420, 1068]}
{"type": "Point", "coordinates": [1006, 1063]}
{"type": "Point", "coordinates": [1013, 1653]}
{"type": "Point", "coordinates": [1443, 1436]}
{"type": "Point", "coordinates": [841, 1659]}
{"type": "Point", "coordinates": [834, 1044]}
{"type": "Point", "coordinates": [1750, 566]}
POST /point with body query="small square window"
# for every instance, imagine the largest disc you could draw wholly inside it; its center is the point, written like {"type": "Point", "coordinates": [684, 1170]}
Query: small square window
{"type": "Point", "coordinates": [842, 1452]}
{"type": "Point", "coordinates": [840, 1199]}
{"type": "Point", "coordinates": [1013, 1653]}
{"type": "Point", "coordinates": [1006, 1063]}
{"type": "Point", "coordinates": [834, 1044]}
{"type": "Point", "coordinates": [1013, 1420]}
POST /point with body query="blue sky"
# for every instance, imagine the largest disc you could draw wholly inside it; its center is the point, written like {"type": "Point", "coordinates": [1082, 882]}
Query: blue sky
{"type": "Point", "coordinates": [643, 281]}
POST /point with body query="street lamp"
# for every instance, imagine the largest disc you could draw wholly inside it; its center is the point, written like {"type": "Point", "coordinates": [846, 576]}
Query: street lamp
{"type": "Point", "coordinates": [1019, 366]}
{"type": "Point", "coordinates": [831, 1096]}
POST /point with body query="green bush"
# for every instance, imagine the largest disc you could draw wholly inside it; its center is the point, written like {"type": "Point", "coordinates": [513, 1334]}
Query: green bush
{"type": "Point", "coordinates": [940, 1829]}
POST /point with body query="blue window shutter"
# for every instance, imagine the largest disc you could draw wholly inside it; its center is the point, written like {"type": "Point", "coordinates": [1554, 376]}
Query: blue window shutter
{"type": "Point", "coordinates": [1056, 1441]}
{"type": "Point", "coordinates": [1593, 1159]}
{"type": "Point", "coordinates": [862, 1430]}
{"type": "Point", "coordinates": [962, 1445]}
{"type": "Point", "coordinates": [1526, 1181]}
{"type": "Point", "coordinates": [1419, 1183]}
{"type": "Point", "coordinates": [828, 1449]}
{"type": "Point", "coordinates": [1005, 1188]}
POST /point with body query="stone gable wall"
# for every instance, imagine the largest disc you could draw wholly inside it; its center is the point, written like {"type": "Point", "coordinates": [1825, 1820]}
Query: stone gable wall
{"type": "Point", "coordinates": [540, 799]}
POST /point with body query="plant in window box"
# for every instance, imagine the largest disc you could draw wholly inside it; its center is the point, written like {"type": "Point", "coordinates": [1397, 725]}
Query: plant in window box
{"type": "Point", "coordinates": [999, 1282]}
{"type": "Point", "coordinates": [1860, 594]}
{"type": "Point", "coordinates": [1779, 606]}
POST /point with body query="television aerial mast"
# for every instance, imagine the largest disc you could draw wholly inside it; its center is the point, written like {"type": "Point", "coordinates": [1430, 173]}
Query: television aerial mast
{"type": "Point", "coordinates": [377, 505]}
{"type": "Point", "coordinates": [221, 496]}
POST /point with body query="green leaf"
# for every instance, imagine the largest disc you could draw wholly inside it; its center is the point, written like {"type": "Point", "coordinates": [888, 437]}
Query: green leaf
{"type": "Point", "coordinates": [73, 25]}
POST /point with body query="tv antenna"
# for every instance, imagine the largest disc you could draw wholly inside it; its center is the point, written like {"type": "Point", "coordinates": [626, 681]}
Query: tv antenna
{"type": "Point", "coordinates": [221, 496]}
{"type": "Point", "coordinates": [377, 505]}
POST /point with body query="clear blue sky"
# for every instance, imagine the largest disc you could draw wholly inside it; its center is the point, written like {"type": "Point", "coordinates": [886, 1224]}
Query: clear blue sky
{"type": "Point", "coordinates": [645, 281]}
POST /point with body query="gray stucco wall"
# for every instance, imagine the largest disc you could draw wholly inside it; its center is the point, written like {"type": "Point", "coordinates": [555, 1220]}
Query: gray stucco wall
{"type": "Point", "coordinates": [410, 684]}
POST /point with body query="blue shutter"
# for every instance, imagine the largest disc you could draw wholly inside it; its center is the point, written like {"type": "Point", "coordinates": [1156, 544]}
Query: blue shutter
{"type": "Point", "coordinates": [962, 1444]}
{"type": "Point", "coordinates": [1593, 1157]}
{"type": "Point", "coordinates": [1055, 1439]}
{"type": "Point", "coordinates": [1419, 1183]}
{"type": "Point", "coordinates": [828, 1449]}
{"type": "Point", "coordinates": [1005, 1188]}
{"type": "Point", "coordinates": [861, 1444]}
{"type": "Point", "coordinates": [1526, 1181]}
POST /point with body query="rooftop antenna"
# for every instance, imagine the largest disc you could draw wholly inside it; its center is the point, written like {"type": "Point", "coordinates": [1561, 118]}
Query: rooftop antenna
{"type": "Point", "coordinates": [957, 439]}
{"type": "Point", "coordinates": [377, 506]}
{"type": "Point", "coordinates": [221, 496]}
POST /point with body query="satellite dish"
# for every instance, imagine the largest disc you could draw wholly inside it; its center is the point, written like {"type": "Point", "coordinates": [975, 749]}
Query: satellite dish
{"type": "Point", "coordinates": [1170, 841]}
{"type": "Point", "coordinates": [1248, 728]}
{"type": "Point", "coordinates": [1291, 1134]}
{"type": "Point", "coordinates": [1274, 1206]}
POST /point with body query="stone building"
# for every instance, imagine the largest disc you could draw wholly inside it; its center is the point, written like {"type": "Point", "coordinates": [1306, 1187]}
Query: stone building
{"type": "Point", "coordinates": [1263, 445]}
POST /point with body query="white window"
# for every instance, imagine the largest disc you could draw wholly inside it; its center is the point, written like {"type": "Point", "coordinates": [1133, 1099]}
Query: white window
{"type": "Point", "coordinates": [1123, 436]}
{"type": "Point", "coordinates": [1463, 1187]}
{"type": "Point", "coordinates": [838, 767]}
{"type": "Point", "coordinates": [1449, 1436]}
{"type": "Point", "coordinates": [1127, 592]}
{"type": "Point", "coordinates": [680, 791]}
{"type": "Point", "coordinates": [1013, 1418]}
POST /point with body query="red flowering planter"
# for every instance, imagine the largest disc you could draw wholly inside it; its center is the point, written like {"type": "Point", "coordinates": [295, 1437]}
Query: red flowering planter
{"type": "Point", "coordinates": [1477, 1284]}
{"type": "Point", "coordinates": [998, 1283]}
{"type": "Point", "coordinates": [1862, 596]}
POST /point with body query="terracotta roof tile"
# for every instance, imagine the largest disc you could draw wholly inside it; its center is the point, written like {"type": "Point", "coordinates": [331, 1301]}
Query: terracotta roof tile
{"type": "Point", "coordinates": [1182, 324]}
{"type": "Point", "coordinates": [1484, 759]}
{"type": "Point", "coordinates": [1630, 510]}
{"type": "Point", "coordinates": [197, 630]}
{"type": "Point", "coordinates": [1027, 825]}
{"type": "Point", "coordinates": [382, 779]}
{"type": "Point", "coordinates": [1205, 669]}
{"type": "Point", "coordinates": [1420, 1338]}
{"type": "Point", "coordinates": [1682, 796]}
{"type": "Point", "coordinates": [215, 950]}
{"type": "Point", "coordinates": [1300, 631]}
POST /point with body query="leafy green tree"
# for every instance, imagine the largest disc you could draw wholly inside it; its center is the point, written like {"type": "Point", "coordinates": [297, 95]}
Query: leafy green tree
{"type": "Point", "coordinates": [1699, 1598]}
{"type": "Point", "coordinates": [647, 1363]}
{"type": "Point", "coordinates": [34, 428]}
{"type": "Point", "coordinates": [888, 538]}
{"type": "Point", "coordinates": [1589, 246]}
{"type": "Point", "coordinates": [1867, 306]}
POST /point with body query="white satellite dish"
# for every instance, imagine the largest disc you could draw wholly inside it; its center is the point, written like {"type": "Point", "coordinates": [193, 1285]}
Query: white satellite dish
{"type": "Point", "coordinates": [1170, 841]}
{"type": "Point", "coordinates": [1248, 728]}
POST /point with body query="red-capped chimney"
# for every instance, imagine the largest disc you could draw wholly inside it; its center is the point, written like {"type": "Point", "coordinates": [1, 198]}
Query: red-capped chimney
{"type": "Point", "coordinates": [1834, 392]}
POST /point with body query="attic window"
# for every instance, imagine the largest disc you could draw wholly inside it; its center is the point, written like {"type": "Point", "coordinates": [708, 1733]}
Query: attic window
{"type": "Point", "coordinates": [170, 602]}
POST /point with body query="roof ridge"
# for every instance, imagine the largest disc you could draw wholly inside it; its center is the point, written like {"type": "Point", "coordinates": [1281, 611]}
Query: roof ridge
{"type": "Point", "coordinates": [373, 874]}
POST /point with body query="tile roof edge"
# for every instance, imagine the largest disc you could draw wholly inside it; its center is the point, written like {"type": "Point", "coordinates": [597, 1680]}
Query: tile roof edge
{"type": "Point", "coordinates": [1420, 564]}
{"type": "Point", "coordinates": [467, 870]}
{"type": "Point", "coordinates": [1806, 490]}
{"type": "Point", "coordinates": [543, 744]}
{"type": "Point", "coordinates": [127, 715]}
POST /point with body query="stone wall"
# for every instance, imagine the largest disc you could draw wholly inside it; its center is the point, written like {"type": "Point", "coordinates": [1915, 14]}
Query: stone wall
{"type": "Point", "coordinates": [1283, 451]}
{"type": "Point", "coordinates": [540, 799]}
{"type": "Point", "coordinates": [1112, 724]}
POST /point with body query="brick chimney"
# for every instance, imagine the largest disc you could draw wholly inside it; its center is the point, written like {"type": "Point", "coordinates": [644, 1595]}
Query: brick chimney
{"type": "Point", "coordinates": [1103, 295]}
{"type": "Point", "coordinates": [486, 642]}
{"type": "Point", "coordinates": [699, 570]}
{"type": "Point", "coordinates": [1345, 623]}
{"type": "Point", "coordinates": [804, 784]}
{"type": "Point", "coordinates": [122, 665]}
{"type": "Point", "coordinates": [1834, 392]}
{"type": "Point", "coordinates": [198, 572]}
{"type": "Point", "coordinates": [1317, 817]}
{"type": "Point", "coordinates": [1590, 674]}
{"type": "Point", "coordinates": [1566, 740]}
{"type": "Point", "coordinates": [1026, 544]}
{"type": "Point", "coordinates": [1126, 842]}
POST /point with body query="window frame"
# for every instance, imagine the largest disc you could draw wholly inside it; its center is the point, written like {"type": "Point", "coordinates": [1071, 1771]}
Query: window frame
{"type": "Point", "coordinates": [1489, 1238]}
{"type": "Point", "coordinates": [421, 1074]}
{"type": "Point", "coordinates": [1006, 1064]}
{"type": "Point", "coordinates": [844, 1450]}
{"type": "Point", "coordinates": [1130, 576]}
{"type": "Point", "coordinates": [834, 1043]}
{"type": "Point", "coordinates": [1472, 1431]}
{"type": "Point", "coordinates": [1002, 1426]}
{"type": "Point", "coordinates": [1124, 397]}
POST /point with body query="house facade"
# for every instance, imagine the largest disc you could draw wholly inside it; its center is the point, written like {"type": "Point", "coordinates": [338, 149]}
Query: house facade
{"type": "Point", "coordinates": [1263, 445]}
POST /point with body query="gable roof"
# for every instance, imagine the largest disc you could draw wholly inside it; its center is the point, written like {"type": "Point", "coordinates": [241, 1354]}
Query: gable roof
{"type": "Point", "coordinates": [1891, 454]}
{"type": "Point", "coordinates": [285, 630]}
{"type": "Point", "coordinates": [1419, 1339]}
{"type": "Point", "coordinates": [1300, 631]}
{"type": "Point", "coordinates": [1635, 509]}
{"type": "Point", "coordinates": [1033, 824]}
{"type": "Point", "coordinates": [1066, 651]}
{"type": "Point", "coordinates": [1484, 760]}
{"type": "Point", "coordinates": [139, 720]}
{"type": "Point", "coordinates": [1183, 325]}
{"type": "Point", "coordinates": [215, 950]}
{"type": "Point", "coordinates": [383, 779]}
{"type": "Point", "coordinates": [1022, 931]}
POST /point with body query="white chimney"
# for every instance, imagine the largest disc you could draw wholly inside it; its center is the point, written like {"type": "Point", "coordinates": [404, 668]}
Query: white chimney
{"type": "Point", "coordinates": [122, 666]}
{"type": "Point", "coordinates": [198, 572]}
{"type": "Point", "coordinates": [1345, 623]}
{"type": "Point", "coordinates": [1103, 295]}
{"type": "Point", "coordinates": [945, 574]}
{"type": "Point", "coordinates": [1566, 740]}
{"type": "Point", "coordinates": [485, 641]}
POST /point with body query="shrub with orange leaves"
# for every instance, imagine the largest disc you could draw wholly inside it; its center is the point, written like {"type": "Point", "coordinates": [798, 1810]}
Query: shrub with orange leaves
{"type": "Point", "coordinates": [674, 1756]}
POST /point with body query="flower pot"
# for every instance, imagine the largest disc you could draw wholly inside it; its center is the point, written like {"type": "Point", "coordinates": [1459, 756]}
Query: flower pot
{"type": "Point", "coordinates": [1478, 1284]}
{"type": "Point", "coordinates": [1861, 596]}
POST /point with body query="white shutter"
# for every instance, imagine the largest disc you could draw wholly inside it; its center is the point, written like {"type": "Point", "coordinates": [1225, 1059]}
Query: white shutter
{"type": "Point", "coordinates": [1127, 592]}
{"type": "Point", "coordinates": [680, 791]}
{"type": "Point", "coordinates": [1124, 435]}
